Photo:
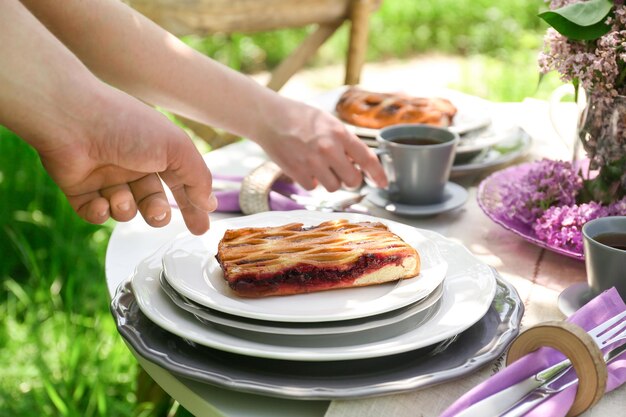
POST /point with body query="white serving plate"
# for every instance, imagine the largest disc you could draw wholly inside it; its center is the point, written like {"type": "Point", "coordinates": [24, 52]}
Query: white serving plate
{"type": "Point", "coordinates": [192, 270]}
{"type": "Point", "coordinates": [472, 112]}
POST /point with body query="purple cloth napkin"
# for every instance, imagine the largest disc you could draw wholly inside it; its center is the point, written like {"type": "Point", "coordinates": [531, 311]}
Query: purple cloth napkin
{"type": "Point", "coordinates": [601, 308]}
{"type": "Point", "coordinates": [228, 200]}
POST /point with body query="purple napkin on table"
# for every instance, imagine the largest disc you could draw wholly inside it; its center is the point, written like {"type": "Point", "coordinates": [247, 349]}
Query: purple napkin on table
{"type": "Point", "coordinates": [228, 200]}
{"type": "Point", "coordinates": [598, 310]}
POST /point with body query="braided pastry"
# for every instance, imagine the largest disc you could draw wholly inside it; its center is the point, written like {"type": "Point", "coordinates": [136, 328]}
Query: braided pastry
{"type": "Point", "coordinates": [377, 110]}
{"type": "Point", "coordinates": [292, 259]}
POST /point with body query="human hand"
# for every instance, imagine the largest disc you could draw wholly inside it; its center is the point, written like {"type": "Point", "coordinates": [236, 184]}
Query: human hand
{"type": "Point", "coordinates": [113, 164]}
{"type": "Point", "coordinates": [313, 147]}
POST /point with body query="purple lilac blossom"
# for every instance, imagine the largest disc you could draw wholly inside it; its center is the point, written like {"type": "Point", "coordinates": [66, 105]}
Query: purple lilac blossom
{"type": "Point", "coordinates": [562, 226]}
{"type": "Point", "coordinates": [618, 208]}
{"type": "Point", "coordinates": [548, 183]}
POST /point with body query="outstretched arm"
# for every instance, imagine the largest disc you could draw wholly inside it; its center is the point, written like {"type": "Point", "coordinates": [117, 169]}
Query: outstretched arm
{"type": "Point", "coordinates": [106, 150]}
{"type": "Point", "coordinates": [129, 51]}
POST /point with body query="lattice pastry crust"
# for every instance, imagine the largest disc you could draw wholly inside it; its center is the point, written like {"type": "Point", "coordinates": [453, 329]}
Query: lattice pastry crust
{"type": "Point", "coordinates": [292, 259]}
{"type": "Point", "coordinates": [378, 110]}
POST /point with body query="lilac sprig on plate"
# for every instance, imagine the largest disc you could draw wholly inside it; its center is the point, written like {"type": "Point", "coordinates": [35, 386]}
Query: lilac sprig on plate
{"type": "Point", "coordinates": [537, 201]}
{"type": "Point", "coordinates": [549, 183]}
{"type": "Point", "coordinates": [562, 225]}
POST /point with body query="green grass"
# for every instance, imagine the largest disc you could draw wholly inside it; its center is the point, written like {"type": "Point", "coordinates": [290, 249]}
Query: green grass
{"type": "Point", "coordinates": [60, 355]}
{"type": "Point", "coordinates": [59, 350]}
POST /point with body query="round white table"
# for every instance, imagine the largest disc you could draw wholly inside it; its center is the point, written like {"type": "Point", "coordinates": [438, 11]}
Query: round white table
{"type": "Point", "coordinates": [538, 275]}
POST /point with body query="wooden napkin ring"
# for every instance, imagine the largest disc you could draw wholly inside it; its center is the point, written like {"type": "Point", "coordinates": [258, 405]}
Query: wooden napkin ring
{"type": "Point", "coordinates": [579, 347]}
{"type": "Point", "coordinates": [256, 186]}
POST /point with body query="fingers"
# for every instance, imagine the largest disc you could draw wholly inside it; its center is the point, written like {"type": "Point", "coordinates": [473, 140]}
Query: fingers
{"type": "Point", "coordinates": [367, 161]}
{"type": "Point", "coordinates": [302, 177]}
{"type": "Point", "coordinates": [341, 165]}
{"type": "Point", "coordinates": [91, 206]}
{"type": "Point", "coordinates": [121, 202]}
{"type": "Point", "coordinates": [343, 159]}
{"type": "Point", "coordinates": [196, 219]}
{"type": "Point", "coordinates": [189, 179]}
{"type": "Point", "coordinates": [151, 200]}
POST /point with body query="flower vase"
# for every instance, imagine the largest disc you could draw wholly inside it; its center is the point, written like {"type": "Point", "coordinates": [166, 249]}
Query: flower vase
{"type": "Point", "coordinates": [602, 133]}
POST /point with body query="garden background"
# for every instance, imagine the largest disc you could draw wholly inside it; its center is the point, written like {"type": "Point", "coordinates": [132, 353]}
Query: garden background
{"type": "Point", "coordinates": [60, 354]}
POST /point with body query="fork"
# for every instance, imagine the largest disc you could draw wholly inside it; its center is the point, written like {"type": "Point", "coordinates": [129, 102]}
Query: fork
{"type": "Point", "coordinates": [553, 386]}
{"type": "Point", "coordinates": [603, 335]}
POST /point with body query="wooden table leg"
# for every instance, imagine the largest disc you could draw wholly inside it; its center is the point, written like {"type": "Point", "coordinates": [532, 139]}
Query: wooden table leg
{"type": "Point", "coordinates": [359, 16]}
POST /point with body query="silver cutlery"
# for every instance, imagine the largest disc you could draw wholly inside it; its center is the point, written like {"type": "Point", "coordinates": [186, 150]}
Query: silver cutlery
{"type": "Point", "coordinates": [539, 395]}
{"type": "Point", "coordinates": [502, 401]}
{"type": "Point", "coordinates": [315, 203]}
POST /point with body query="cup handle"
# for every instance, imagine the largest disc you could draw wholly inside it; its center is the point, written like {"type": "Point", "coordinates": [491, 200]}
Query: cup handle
{"type": "Point", "coordinates": [385, 159]}
{"type": "Point", "coordinates": [387, 163]}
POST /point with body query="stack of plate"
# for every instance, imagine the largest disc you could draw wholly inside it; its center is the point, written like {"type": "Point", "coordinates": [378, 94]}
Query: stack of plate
{"type": "Point", "coordinates": [455, 316]}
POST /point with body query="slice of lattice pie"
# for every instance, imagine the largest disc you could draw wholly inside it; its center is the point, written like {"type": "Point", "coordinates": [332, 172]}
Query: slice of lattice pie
{"type": "Point", "coordinates": [292, 259]}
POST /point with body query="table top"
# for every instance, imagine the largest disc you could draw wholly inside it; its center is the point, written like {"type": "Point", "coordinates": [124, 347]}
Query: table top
{"type": "Point", "coordinates": [538, 275]}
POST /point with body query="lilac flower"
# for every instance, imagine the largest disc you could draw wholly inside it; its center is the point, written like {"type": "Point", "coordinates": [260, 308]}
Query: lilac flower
{"type": "Point", "coordinates": [618, 208]}
{"type": "Point", "coordinates": [595, 64]}
{"type": "Point", "coordinates": [548, 183]}
{"type": "Point", "coordinates": [561, 226]}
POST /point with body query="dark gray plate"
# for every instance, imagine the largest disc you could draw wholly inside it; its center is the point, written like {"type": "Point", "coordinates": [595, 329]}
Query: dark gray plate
{"type": "Point", "coordinates": [468, 351]}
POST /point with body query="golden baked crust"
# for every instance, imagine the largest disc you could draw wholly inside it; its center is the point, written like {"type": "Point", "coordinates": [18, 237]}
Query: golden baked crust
{"type": "Point", "coordinates": [293, 259]}
{"type": "Point", "coordinates": [377, 110]}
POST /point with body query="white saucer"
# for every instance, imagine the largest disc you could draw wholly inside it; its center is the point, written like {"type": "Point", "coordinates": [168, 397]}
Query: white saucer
{"type": "Point", "coordinates": [574, 297]}
{"type": "Point", "coordinates": [454, 196]}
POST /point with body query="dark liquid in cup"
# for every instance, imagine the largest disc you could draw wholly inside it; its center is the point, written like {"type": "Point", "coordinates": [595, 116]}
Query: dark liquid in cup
{"type": "Point", "coordinates": [415, 141]}
{"type": "Point", "coordinates": [614, 240]}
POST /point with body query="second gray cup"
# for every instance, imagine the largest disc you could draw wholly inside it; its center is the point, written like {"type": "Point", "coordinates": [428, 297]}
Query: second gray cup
{"type": "Point", "coordinates": [417, 160]}
{"type": "Point", "coordinates": [605, 258]}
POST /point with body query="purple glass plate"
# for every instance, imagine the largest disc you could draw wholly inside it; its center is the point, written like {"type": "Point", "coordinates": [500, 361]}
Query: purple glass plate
{"type": "Point", "coordinates": [490, 200]}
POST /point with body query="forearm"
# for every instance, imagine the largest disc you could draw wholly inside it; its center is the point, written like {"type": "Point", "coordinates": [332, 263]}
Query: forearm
{"type": "Point", "coordinates": [132, 53]}
{"type": "Point", "coordinates": [44, 86]}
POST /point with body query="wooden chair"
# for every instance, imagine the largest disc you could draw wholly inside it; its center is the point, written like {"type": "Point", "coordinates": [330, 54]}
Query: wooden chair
{"type": "Point", "coordinates": [206, 17]}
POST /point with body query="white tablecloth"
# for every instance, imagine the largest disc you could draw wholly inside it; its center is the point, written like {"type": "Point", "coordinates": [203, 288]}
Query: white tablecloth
{"type": "Point", "coordinates": [538, 275]}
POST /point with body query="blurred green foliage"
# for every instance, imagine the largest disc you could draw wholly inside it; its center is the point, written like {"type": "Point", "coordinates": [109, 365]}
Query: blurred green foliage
{"type": "Point", "coordinates": [398, 29]}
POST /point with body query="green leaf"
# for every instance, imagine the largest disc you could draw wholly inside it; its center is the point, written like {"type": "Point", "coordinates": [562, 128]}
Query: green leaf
{"type": "Point", "coordinates": [580, 21]}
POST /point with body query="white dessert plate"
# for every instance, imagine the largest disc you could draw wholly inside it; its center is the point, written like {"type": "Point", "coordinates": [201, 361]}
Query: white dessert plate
{"type": "Point", "coordinates": [472, 112]}
{"type": "Point", "coordinates": [468, 292]}
{"type": "Point", "coordinates": [192, 270]}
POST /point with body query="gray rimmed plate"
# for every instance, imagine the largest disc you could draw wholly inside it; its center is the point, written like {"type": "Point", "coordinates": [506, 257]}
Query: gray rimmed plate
{"type": "Point", "coordinates": [470, 350]}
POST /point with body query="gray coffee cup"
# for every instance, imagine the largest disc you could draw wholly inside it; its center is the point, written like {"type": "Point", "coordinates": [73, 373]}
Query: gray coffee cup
{"type": "Point", "coordinates": [417, 160]}
{"type": "Point", "coordinates": [606, 265]}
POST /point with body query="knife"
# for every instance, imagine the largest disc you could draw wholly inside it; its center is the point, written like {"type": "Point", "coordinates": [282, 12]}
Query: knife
{"type": "Point", "coordinates": [516, 395]}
